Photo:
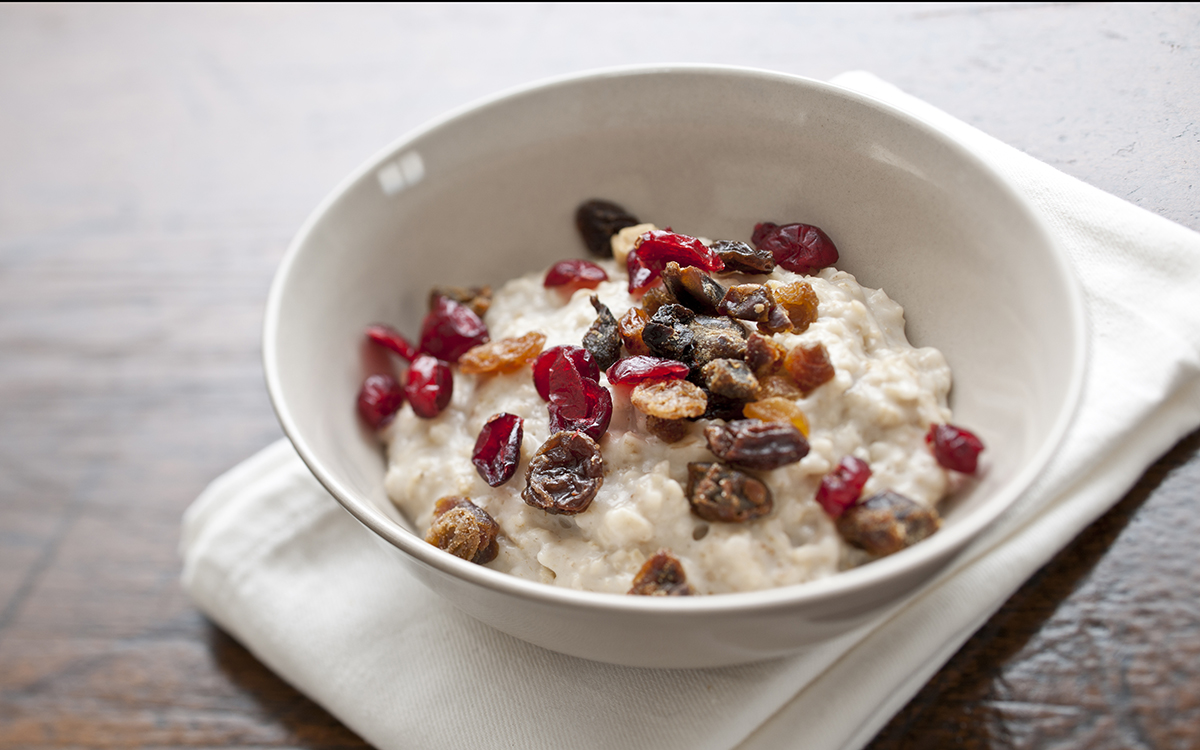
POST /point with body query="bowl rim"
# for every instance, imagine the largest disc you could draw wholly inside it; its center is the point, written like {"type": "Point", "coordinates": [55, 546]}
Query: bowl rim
{"type": "Point", "coordinates": [947, 543]}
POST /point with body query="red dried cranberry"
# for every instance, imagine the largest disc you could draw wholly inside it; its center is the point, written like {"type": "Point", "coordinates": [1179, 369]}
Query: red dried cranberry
{"type": "Point", "coordinates": [584, 363]}
{"type": "Point", "coordinates": [390, 338]}
{"type": "Point", "coordinates": [430, 386]}
{"type": "Point", "coordinates": [801, 248]}
{"type": "Point", "coordinates": [842, 487]}
{"type": "Point", "coordinates": [498, 448]}
{"type": "Point", "coordinates": [379, 399]}
{"type": "Point", "coordinates": [955, 448]}
{"type": "Point", "coordinates": [578, 274]}
{"type": "Point", "coordinates": [450, 329]}
{"type": "Point", "coordinates": [633, 370]}
{"type": "Point", "coordinates": [577, 403]}
{"type": "Point", "coordinates": [659, 247]}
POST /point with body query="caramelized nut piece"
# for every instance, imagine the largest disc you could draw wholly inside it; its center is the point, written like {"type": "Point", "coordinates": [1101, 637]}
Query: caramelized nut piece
{"type": "Point", "coordinates": [764, 355]}
{"type": "Point", "coordinates": [630, 327]}
{"type": "Point", "coordinates": [465, 530]}
{"type": "Point", "coordinates": [505, 355]}
{"type": "Point", "coordinates": [776, 409]}
{"type": "Point", "coordinates": [668, 333]}
{"type": "Point", "coordinates": [717, 338]}
{"type": "Point", "coordinates": [754, 444]}
{"type": "Point", "coordinates": [662, 575]}
{"type": "Point", "coordinates": [799, 301]}
{"type": "Point", "coordinates": [565, 474]}
{"type": "Point", "coordinates": [694, 289]}
{"type": "Point", "coordinates": [602, 340]}
{"type": "Point", "coordinates": [719, 493]}
{"type": "Point", "coordinates": [809, 366]}
{"type": "Point", "coordinates": [887, 523]}
{"type": "Point", "coordinates": [730, 378]}
{"type": "Point", "coordinates": [669, 399]}
{"type": "Point", "coordinates": [748, 302]}
{"type": "Point", "coordinates": [478, 298]}
{"type": "Point", "coordinates": [667, 430]}
{"type": "Point", "coordinates": [738, 256]}
{"type": "Point", "coordinates": [597, 221]}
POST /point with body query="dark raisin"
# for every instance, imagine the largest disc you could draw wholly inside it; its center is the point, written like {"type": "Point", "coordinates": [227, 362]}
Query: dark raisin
{"type": "Point", "coordinates": [576, 402]}
{"type": "Point", "coordinates": [764, 355]}
{"type": "Point", "coordinates": [565, 474]}
{"type": "Point", "coordinates": [584, 363]}
{"type": "Point", "coordinates": [754, 444]}
{"type": "Point", "coordinates": [717, 338]}
{"type": "Point", "coordinates": [719, 493]}
{"type": "Point", "coordinates": [738, 256]}
{"type": "Point", "coordinates": [390, 338]}
{"type": "Point", "coordinates": [842, 487]}
{"type": "Point", "coordinates": [693, 288]}
{"type": "Point", "coordinates": [478, 298]}
{"type": "Point", "coordinates": [656, 298]}
{"type": "Point", "coordinates": [667, 333]}
{"type": "Point", "coordinates": [809, 366]}
{"type": "Point", "coordinates": [801, 248]}
{"type": "Point", "coordinates": [379, 400]}
{"type": "Point", "coordinates": [498, 448]}
{"type": "Point", "coordinates": [659, 247]}
{"type": "Point", "coordinates": [955, 448]}
{"type": "Point", "coordinates": [450, 329]}
{"type": "Point", "coordinates": [603, 339]}
{"type": "Point", "coordinates": [630, 327]}
{"type": "Point", "coordinates": [574, 274]}
{"type": "Point", "coordinates": [465, 530]}
{"type": "Point", "coordinates": [730, 378]}
{"type": "Point", "coordinates": [430, 386]}
{"type": "Point", "coordinates": [887, 523]}
{"type": "Point", "coordinates": [597, 221]}
{"type": "Point", "coordinates": [662, 575]}
{"type": "Point", "coordinates": [667, 430]}
{"type": "Point", "coordinates": [748, 302]}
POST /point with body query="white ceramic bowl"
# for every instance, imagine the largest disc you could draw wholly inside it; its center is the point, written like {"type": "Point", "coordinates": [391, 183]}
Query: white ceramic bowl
{"type": "Point", "coordinates": [488, 193]}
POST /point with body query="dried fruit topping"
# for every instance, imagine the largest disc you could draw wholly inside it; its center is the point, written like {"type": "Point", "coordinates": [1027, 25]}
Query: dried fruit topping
{"type": "Point", "coordinates": [887, 523]}
{"type": "Point", "coordinates": [748, 302]}
{"type": "Point", "coordinates": [693, 288]}
{"type": "Point", "coordinates": [478, 298]}
{"type": "Point", "coordinates": [778, 409]}
{"type": "Point", "coordinates": [584, 363]}
{"type": "Point", "coordinates": [764, 355]}
{"type": "Point", "coordinates": [565, 474]}
{"type": "Point", "coordinates": [719, 493]}
{"type": "Point", "coordinates": [667, 430]}
{"type": "Point", "coordinates": [842, 487]}
{"type": "Point", "coordinates": [955, 448]}
{"type": "Point", "coordinates": [809, 366]}
{"type": "Point", "coordinates": [799, 301]}
{"type": "Point", "coordinates": [634, 370]}
{"type": "Point", "coordinates": [668, 334]}
{"type": "Point", "coordinates": [450, 329]}
{"type": "Point", "coordinates": [379, 399]}
{"type": "Point", "coordinates": [597, 221]}
{"type": "Point", "coordinates": [716, 338]}
{"type": "Point", "coordinates": [659, 247]}
{"type": "Point", "coordinates": [430, 386]}
{"type": "Point", "coordinates": [801, 248]}
{"type": "Point", "coordinates": [730, 378]}
{"type": "Point", "coordinates": [723, 407]}
{"type": "Point", "coordinates": [390, 338]}
{"type": "Point", "coordinates": [740, 257]}
{"type": "Point", "coordinates": [603, 339]}
{"type": "Point", "coordinates": [498, 448]}
{"type": "Point", "coordinates": [465, 530]}
{"type": "Point", "coordinates": [576, 402]}
{"type": "Point", "coordinates": [630, 327]}
{"type": "Point", "coordinates": [505, 355]}
{"type": "Point", "coordinates": [575, 274]}
{"type": "Point", "coordinates": [669, 399]}
{"type": "Point", "coordinates": [754, 444]}
{"type": "Point", "coordinates": [656, 298]}
{"type": "Point", "coordinates": [661, 575]}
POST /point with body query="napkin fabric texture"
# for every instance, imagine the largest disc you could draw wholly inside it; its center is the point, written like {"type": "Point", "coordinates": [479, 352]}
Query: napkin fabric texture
{"type": "Point", "coordinates": [274, 560]}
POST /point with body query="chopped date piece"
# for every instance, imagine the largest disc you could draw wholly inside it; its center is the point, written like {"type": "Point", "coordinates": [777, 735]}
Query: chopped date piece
{"type": "Point", "coordinates": [669, 399]}
{"type": "Point", "coordinates": [656, 298]}
{"type": "Point", "coordinates": [778, 409]}
{"type": "Point", "coordinates": [887, 523]}
{"type": "Point", "coordinates": [581, 358]}
{"type": "Point", "coordinates": [693, 288]}
{"type": "Point", "coordinates": [781, 386]}
{"type": "Point", "coordinates": [730, 378]}
{"type": "Point", "coordinates": [661, 575]}
{"type": "Point", "coordinates": [379, 399]}
{"type": "Point", "coordinates": [657, 248]}
{"type": "Point", "coordinates": [842, 487]}
{"type": "Point", "coordinates": [630, 327]}
{"type": "Point", "coordinates": [723, 407]}
{"type": "Point", "coordinates": [801, 248]}
{"type": "Point", "coordinates": [719, 493]}
{"type": "Point", "coordinates": [575, 274]}
{"type": "Point", "coordinates": [450, 329]}
{"type": "Point", "coordinates": [667, 430]}
{"type": "Point", "coordinates": [565, 474]}
{"type": "Point", "coordinates": [576, 402]}
{"type": "Point", "coordinates": [390, 338]}
{"type": "Point", "coordinates": [748, 302]}
{"type": "Point", "coordinates": [603, 339]}
{"type": "Point", "coordinates": [430, 386]}
{"type": "Point", "coordinates": [505, 355]}
{"type": "Point", "coordinates": [498, 448]}
{"type": "Point", "coordinates": [740, 257]}
{"type": "Point", "coordinates": [634, 370]}
{"type": "Point", "coordinates": [716, 338]}
{"type": "Point", "coordinates": [597, 221]}
{"type": "Point", "coordinates": [754, 444]}
{"type": "Point", "coordinates": [478, 298]}
{"type": "Point", "coordinates": [955, 448]}
{"type": "Point", "coordinates": [465, 530]}
{"type": "Point", "coordinates": [809, 366]}
{"type": "Point", "coordinates": [777, 320]}
{"type": "Point", "coordinates": [764, 355]}
{"type": "Point", "coordinates": [668, 334]}
{"type": "Point", "coordinates": [799, 301]}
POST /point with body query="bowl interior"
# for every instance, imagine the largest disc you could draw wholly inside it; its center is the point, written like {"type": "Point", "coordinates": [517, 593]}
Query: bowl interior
{"type": "Point", "coordinates": [489, 193]}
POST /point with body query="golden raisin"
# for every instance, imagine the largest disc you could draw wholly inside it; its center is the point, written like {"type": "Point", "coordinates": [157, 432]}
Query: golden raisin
{"type": "Point", "coordinates": [505, 355]}
{"type": "Point", "coordinates": [809, 366]}
{"type": "Point", "coordinates": [465, 530]}
{"type": "Point", "coordinates": [630, 327]}
{"type": "Point", "coordinates": [662, 575]}
{"type": "Point", "coordinates": [669, 399]}
{"type": "Point", "coordinates": [799, 301]}
{"type": "Point", "coordinates": [764, 355]}
{"type": "Point", "coordinates": [781, 386]}
{"type": "Point", "coordinates": [777, 409]}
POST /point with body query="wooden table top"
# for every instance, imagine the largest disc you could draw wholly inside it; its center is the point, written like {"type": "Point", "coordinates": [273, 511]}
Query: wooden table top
{"type": "Point", "coordinates": [154, 163]}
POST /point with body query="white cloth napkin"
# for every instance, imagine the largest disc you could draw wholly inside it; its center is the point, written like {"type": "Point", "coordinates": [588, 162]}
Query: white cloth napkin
{"type": "Point", "coordinates": [273, 559]}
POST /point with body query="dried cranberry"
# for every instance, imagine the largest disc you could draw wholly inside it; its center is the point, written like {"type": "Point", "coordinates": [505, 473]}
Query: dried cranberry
{"type": "Point", "coordinates": [498, 448]}
{"type": "Point", "coordinates": [390, 338]}
{"type": "Point", "coordinates": [379, 399]}
{"type": "Point", "coordinates": [584, 363]}
{"type": "Point", "coordinates": [661, 575]}
{"type": "Point", "coordinates": [658, 247]}
{"type": "Point", "coordinates": [955, 448]}
{"type": "Point", "coordinates": [801, 248]}
{"type": "Point", "coordinates": [565, 474]}
{"type": "Point", "coordinates": [430, 386]}
{"type": "Point", "coordinates": [577, 403]}
{"type": "Point", "coordinates": [578, 274]}
{"type": "Point", "coordinates": [842, 487]}
{"type": "Point", "coordinates": [450, 329]}
{"type": "Point", "coordinates": [633, 370]}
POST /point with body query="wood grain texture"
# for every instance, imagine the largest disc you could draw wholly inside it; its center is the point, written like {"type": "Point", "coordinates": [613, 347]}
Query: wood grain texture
{"type": "Point", "coordinates": [154, 163]}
